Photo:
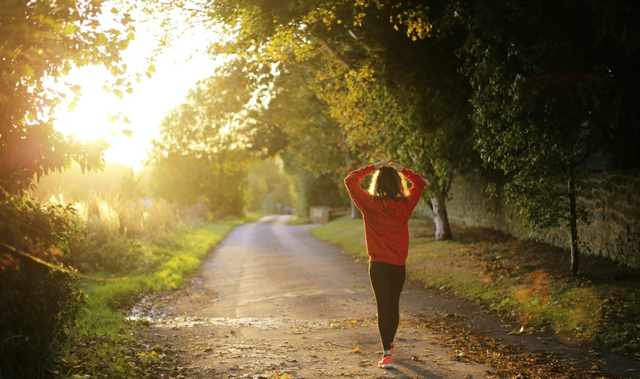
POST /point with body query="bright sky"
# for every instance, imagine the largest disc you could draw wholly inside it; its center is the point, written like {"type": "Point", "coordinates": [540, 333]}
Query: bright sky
{"type": "Point", "coordinates": [146, 106]}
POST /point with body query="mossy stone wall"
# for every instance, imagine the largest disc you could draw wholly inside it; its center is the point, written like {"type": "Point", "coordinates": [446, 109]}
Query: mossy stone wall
{"type": "Point", "coordinates": [612, 201]}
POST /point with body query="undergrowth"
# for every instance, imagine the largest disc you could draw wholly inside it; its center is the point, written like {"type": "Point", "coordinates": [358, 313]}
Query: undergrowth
{"type": "Point", "coordinates": [509, 276]}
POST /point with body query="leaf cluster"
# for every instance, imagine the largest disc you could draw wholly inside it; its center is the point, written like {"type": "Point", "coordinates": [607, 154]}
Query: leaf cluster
{"type": "Point", "coordinates": [38, 305]}
{"type": "Point", "coordinates": [551, 94]}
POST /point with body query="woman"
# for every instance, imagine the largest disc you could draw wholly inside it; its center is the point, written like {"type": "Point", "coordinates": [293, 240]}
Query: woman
{"type": "Point", "coordinates": [386, 209]}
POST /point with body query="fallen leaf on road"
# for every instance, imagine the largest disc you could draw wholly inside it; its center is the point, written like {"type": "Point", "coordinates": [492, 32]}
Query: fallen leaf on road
{"type": "Point", "coordinates": [356, 350]}
{"type": "Point", "coordinates": [521, 332]}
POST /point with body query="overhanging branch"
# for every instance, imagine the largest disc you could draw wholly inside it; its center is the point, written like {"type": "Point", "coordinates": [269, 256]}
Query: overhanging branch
{"type": "Point", "coordinates": [58, 268]}
{"type": "Point", "coordinates": [332, 51]}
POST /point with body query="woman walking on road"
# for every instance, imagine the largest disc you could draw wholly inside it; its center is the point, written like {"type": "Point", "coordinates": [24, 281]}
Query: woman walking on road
{"type": "Point", "coordinates": [386, 209]}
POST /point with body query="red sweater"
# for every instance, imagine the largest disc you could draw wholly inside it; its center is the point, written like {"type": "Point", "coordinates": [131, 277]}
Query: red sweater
{"type": "Point", "coordinates": [385, 221]}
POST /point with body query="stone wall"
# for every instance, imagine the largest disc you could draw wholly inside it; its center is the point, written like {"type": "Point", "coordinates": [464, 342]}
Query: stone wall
{"type": "Point", "coordinates": [613, 204]}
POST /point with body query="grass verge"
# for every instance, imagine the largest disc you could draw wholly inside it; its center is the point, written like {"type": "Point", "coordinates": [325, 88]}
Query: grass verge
{"type": "Point", "coordinates": [102, 344]}
{"type": "Point", "coordinates": [299, 220]}
{"type": "Point", "coordinates": [523, 279]}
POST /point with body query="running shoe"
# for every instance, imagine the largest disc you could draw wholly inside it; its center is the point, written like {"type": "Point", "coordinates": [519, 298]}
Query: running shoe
{"type": "Point", "coordinates": [386, 362]}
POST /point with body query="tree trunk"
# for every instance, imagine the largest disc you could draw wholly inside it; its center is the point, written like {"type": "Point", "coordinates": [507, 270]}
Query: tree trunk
{"type": "Point", "coordinates": [573, 223]}
{"type": "Point", "coordinates": [440, 219]}
{"type": "Point", "coordinates": [355, 212]}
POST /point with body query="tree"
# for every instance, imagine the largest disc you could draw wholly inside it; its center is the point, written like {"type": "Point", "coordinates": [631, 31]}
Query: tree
{"type": "Point", "coordinates": [313, 152]}
{"type": "Point", "coordinates": [201, 153]}
{"type": "Point", "coordinates": [40, 42]}
{"type": "Point", "coordinates": [43, 41]}
{"type": "Point", "coordinates": [412, 109]}
{"type": "Point", "coordinates": [269, 187]}
{"type": "Point", "coordinates": [350, 51]}
{"type": "Point", "coordinates": [554, 87]}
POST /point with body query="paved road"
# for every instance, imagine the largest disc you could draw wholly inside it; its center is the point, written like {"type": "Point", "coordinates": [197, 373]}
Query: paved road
{"type": "Point", "coordinates": [272, 298]}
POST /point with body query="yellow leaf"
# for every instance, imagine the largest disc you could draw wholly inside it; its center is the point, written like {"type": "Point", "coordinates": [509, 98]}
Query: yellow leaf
{"type": "Point", "coordinates": [151, 68]}
{"type": "Point", "coordinates": [131, 36]}
{"type": "Point", "coordinates": [127, 132]}
{"type": "Point", "coordinates": [356, 350]}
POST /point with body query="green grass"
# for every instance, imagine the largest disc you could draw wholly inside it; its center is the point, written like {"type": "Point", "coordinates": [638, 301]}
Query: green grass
{"type": "Point", "coordinates": [491, 273]}
{"type": "Point", "coordinates": [299, 220]}
{"type": "Point", "coordinates": [100, 344]}
{"type": "Point", "coordinates": [346, 232]}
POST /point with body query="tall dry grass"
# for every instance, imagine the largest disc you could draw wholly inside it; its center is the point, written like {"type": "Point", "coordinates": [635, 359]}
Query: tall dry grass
{"type": "Point", "coordinates": [124, 233]}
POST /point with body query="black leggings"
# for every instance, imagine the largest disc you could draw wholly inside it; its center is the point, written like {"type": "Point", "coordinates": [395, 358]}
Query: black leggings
{"type": "Point", "coordinates": [387, 281]}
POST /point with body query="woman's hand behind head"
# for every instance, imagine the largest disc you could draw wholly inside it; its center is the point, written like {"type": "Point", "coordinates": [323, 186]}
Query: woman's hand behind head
{"type": "Point", "coordinates": [378, 165]}
{"type": "Point", "coordinates": [395, 165]}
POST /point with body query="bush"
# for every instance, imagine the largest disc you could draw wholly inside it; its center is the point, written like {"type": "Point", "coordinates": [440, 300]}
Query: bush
{"type": "Point", "coordinates": [37, 306]}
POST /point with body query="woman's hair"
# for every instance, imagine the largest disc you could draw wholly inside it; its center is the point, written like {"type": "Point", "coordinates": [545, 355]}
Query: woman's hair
{"type": "Point", "coordinates": [387, 184]}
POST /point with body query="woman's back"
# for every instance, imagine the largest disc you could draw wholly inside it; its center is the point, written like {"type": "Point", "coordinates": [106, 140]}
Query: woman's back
{"type": "Point", "coordinates": [385, 219]}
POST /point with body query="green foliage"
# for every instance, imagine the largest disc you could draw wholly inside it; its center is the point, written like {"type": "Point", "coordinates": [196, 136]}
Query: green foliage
{"type": "Point", "coordinates": [551, 91]}
{"type": "Point", "coordinates": [200, 153]}
{"type": "Point", "coordinates": [118, 230]}
{"type": "Point", "coordinates": [268, 187]}
{"type": "Point", "coordinates": [314, 138]}
{"type": "Point", "coordinates": [37, 307]}
{"type": "Point", "coordinates": [309, 189]}
{"type": "Point", "coordinates": [44, 41]}
{"type": "Point", "coordinates": [345, 57]}
{"type": "Point", "coordinates": [313, 151]}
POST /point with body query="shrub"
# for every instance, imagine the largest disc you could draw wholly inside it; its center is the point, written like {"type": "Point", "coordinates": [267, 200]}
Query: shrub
{"type": "Point", "coordinates": [37, 306]}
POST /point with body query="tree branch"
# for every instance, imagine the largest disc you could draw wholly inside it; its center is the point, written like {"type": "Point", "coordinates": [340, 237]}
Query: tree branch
{"type": "Point", "coordinates": [58, 268]}
{"type": "Point", "coordinates": [332, 51]}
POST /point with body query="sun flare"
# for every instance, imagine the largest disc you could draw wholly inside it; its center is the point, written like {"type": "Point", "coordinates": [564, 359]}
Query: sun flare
{"type": "Point", "coordinates": [150, 101]}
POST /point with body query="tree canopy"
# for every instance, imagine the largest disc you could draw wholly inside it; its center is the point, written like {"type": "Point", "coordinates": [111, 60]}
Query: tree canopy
{"type": "Point", "coordinates": [41, 42]}
{"type": "Point", "coordinates": [390, 96]}
{"type": "Point", "coordinates": [554, 88]}
{"type": "Point", "coordinates": [200, 153]}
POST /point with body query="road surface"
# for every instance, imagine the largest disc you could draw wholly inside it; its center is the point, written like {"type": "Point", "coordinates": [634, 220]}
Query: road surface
{"type": "Point", "coordinates": [273, 301]}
